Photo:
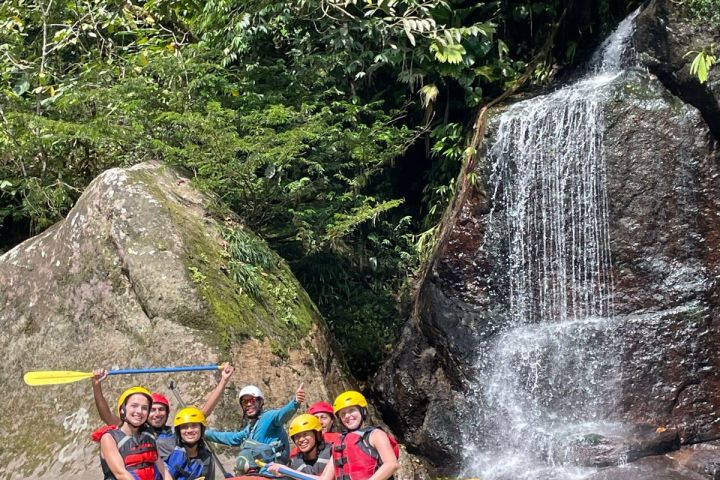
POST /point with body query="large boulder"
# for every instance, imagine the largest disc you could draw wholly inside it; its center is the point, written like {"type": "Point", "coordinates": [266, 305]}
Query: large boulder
{"type": "Point", "coordinates": [663, 190]}
{"type": "Point", "coordinates": [140, 274]}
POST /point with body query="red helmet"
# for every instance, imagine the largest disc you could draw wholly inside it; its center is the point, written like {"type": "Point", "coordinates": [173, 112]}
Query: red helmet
{"type": "Point", "coordinates": [320, 407]}
{"type": "Point", "coordinates": [161, 399]}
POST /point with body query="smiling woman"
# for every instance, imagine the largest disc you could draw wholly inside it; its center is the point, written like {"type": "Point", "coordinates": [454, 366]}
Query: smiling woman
{"type": "Point", "coordinates": [129, 451]}
{"type": "Point", "coordinates": [191, 459]}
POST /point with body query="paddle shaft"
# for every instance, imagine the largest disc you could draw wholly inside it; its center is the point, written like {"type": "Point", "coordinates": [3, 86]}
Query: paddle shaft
{"type": "Point", "coordinates": [196, 368]}
{"type": "Point", "coordinates": [173, 388]}
{"type": "Point", "coordinates": [287, 471]}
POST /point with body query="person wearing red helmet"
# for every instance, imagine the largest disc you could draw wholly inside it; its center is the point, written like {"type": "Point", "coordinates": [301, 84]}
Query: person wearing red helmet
{"type": "Point", "coordinates": [324, 412]}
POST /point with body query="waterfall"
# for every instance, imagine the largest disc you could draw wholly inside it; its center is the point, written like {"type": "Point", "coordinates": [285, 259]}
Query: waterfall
{"type": "Point", "coordinates": [545, 386]}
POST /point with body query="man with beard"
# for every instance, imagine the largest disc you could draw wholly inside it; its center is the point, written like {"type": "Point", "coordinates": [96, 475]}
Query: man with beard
{"type": "Point", "coordinates": [263, 435]}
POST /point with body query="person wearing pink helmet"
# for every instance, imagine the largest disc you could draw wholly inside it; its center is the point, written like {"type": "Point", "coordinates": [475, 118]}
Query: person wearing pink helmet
{"type": "Point", "coordinates": [324, 412]}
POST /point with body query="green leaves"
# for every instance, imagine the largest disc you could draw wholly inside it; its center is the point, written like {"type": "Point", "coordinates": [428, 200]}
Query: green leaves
{"type": "Point", "coordinates": [445, 53]}
{"type": "Point", "coordinates": [295, 114]}
{"type": "Point", "coordinates": [702, 63]}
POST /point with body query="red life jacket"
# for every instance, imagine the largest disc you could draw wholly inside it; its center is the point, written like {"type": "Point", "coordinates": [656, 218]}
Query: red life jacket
{"type": "Point", "coordinates": [355, 458]}
{"type": "Point", "coordinates": [138, 452]}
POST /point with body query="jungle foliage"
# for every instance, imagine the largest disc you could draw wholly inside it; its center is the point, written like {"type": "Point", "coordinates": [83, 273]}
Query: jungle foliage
{"type": "Point", "coordinates": [334, 128]}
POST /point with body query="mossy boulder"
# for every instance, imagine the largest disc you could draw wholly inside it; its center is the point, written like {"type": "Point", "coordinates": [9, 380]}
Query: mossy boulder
{"type": "Point", "coordinates": [141, 273]}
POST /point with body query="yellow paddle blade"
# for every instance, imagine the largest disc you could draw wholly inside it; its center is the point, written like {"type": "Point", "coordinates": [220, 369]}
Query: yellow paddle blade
{"type": "Point", "coordinates": [55, 377]}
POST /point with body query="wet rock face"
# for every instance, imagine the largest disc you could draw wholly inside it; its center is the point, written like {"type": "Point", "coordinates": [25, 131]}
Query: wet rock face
{"type": "Point", "coordinates": [702, 458]}
{"type": "Point", "coordinates": [421, 388]}
{"type": "Point", "coordinates": [664, 36]}
{"type": "Point", "coordinates": [125, 281]}
{"type": "Point", "coordinates": [649, 468]}
{"type": "Point", "coordinates": [602, 451]}
{"type": "Point", "coordinates": [664, 193]}
{"type": "Point", "coordinates": [663, 184]}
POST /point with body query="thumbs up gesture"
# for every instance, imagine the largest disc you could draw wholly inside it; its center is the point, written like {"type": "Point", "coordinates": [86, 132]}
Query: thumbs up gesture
{"type": "Point", "coordinates": [300, 393]}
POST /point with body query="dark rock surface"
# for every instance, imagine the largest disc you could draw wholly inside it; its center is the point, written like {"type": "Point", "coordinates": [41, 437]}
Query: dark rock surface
{"type": "Point", "coordinates": [665, 34]}
{"type": "Point", "coordinates": [663, 181]}
{"type": "Point", "coordinates": [649, 468]}
{"type": "Point", "coordinates": [703, 458]}
{"type": "Point", "coordinates": [664, 193]}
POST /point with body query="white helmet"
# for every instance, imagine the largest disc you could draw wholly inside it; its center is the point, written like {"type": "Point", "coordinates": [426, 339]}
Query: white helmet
{"type": "Point", "coordinates": [251, 390]}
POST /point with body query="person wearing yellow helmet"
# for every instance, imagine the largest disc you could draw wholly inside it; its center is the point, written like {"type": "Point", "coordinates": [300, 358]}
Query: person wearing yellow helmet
{"type": "Point", "coordinates": [157, 419]}
{"type": "Point", "coordinates": [128, 451]}
{"type": "Point", "coordinates": [361, 452]}
{"type": "Point", "coordinates": [312, 452]}
{"type": "Point", "coordinates": [159, 411]}
{"type": "Point", "coordinates": [190, 460]}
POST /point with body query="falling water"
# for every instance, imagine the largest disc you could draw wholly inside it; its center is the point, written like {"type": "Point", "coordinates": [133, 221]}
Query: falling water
{"type": "Point", "coordinates": [546, 386]}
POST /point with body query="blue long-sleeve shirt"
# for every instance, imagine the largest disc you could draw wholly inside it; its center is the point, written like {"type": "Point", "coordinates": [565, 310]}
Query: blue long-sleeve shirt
{"type": "Point", "coordinates": [269, 428]}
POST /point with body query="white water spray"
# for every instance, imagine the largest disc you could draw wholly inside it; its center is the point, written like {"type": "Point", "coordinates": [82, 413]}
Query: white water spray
{"type": "Point", "coordinates": [548, 383]}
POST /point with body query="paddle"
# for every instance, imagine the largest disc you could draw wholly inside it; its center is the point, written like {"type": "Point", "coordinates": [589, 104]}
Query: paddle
{"type": "Point", "coordinates": [57, 377]}
{"type": "Point", "coordinates": [287, 471]}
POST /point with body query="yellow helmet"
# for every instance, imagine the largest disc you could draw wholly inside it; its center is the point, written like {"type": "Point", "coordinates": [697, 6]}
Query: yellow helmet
{"type": "Point", "coordinates": [132, 391]}
{"type": "Point", "coordinates": [189, 415]}
{"type": "Point", "coordinates": [350, 398]}
{"type": "Point", "coordinates": [304, 423]}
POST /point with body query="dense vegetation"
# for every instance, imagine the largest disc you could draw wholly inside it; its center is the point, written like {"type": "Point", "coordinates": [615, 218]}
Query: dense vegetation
{"type": "Point", "coordinates": [334, 128]}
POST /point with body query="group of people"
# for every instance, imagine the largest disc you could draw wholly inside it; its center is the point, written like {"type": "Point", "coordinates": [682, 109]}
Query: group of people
{"type": "Point", "coordinates": [137, 444]}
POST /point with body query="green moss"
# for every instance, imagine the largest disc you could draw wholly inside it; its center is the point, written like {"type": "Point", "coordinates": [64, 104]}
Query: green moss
{"type": "Point", "coordinates": [279, 309]}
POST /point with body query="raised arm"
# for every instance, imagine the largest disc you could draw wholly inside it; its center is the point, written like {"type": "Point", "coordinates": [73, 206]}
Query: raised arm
{"type": "Point", "coordinates": [101, 404]}
{"type": "Point", "coordinates": [215, 396]}
{"type": "Point", "coordinates": [284, 414]}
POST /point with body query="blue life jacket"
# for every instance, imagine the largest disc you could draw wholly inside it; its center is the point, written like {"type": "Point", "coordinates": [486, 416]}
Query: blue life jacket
{"type": "Point", "coordinates": [181, 467]}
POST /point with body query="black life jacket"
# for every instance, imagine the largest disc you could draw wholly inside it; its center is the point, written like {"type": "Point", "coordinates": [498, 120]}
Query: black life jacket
{"type": "Point", "coordinates": [314, 467]}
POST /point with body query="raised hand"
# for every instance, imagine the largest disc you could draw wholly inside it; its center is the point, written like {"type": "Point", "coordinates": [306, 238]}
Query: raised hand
{"type": "Point", "coordinates": [99, 374]}
{"type": "Point", "coordinates": [227, 372]}
{"type": "Point", "coordinates": [300, 393]}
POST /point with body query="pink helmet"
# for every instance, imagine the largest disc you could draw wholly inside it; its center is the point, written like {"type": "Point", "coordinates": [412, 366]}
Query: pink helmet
{"type": "Point", "coordinates": [161, 399]}
{"type": "Point", "coordinates": [320, 407]}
